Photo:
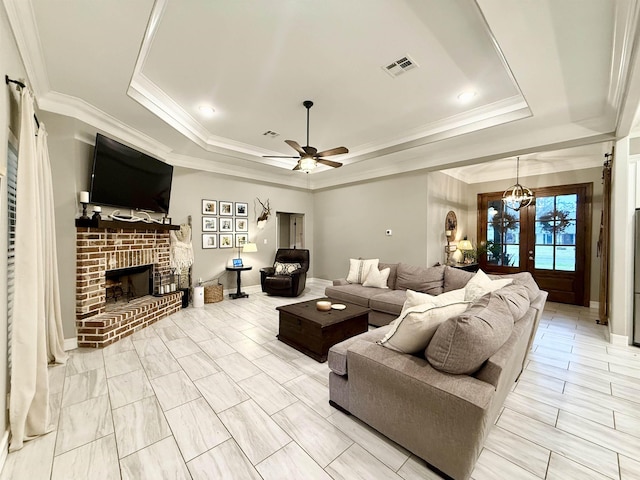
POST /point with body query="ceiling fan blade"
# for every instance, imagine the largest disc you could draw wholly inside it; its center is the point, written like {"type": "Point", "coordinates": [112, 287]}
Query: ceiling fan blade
{"type": "Point", "coordinates": [296, 146]}
{"type": "Point", "coordinates": [310, 151]}
{"type": "Point", "coordinates": [297, 167]}
{"type": "Point", "coordinates": [331, 163]}
{"type": "Point", "coordinates": [333, 151]}
{"type": "Point", "coordinates": [279, 156]}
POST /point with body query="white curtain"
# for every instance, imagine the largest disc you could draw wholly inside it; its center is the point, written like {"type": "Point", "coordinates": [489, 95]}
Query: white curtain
{"type": "Point", "coordinates": [37, 325]}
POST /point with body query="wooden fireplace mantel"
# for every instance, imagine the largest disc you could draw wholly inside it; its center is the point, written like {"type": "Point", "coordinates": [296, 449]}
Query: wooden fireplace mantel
{"type": "Point", "coordinates": [119, 224]}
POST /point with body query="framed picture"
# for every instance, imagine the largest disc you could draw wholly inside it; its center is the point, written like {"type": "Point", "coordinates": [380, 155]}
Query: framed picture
{"type": "Point", "coordinates": [242, 209]}
{"type": "Point", "coordinates": [226, 224]}
{"type": "Point", "coordinates": [242, 225]}
{"type": "Point", "coordinates": [209, 240]}
{"type": "Point", "coordinates": [241, 239]}
{"type": "Point", "coordinates": [209, 224]}
{"type": "Point", "coordinates": [237, 262]}
{"type": "Point", "coordinates": [226, 240]}
{"type": "Point", "coordinates": [226, 208]}
{"type": "Point", "coordinates": [209, 207]}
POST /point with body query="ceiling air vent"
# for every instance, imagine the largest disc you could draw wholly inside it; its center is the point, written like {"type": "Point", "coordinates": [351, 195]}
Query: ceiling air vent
{"type": "Point", "coordinates": [270, 134]}
{"type": "Point", "coordinates": [400, 66]}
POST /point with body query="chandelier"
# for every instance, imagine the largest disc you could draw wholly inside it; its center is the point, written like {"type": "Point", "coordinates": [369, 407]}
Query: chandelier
{"type": "Point", "coordinates": [517, 196]}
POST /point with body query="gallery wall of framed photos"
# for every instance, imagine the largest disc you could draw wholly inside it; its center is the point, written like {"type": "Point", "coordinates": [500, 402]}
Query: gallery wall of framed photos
{"type": "Point", "coordinates": [224, 224]}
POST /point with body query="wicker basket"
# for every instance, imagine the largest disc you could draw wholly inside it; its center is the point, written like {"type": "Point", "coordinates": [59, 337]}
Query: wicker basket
{"type": "Point", "coordinates": [213, 293]}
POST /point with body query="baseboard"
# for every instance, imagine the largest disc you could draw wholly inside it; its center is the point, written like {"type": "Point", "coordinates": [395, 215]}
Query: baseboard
{"type": "Point", "coordinates": [594, 305]}
{"type": "Point", "coordinates": [4, 448]}
{"type": "Point", "coordinates": [620, 340]}
{"type": "Point", "coordinates": [319, 281]}
{"type": "Point", "coordinates": [253, 289]}
{"type": "Point", "coordinates": [70, 344]}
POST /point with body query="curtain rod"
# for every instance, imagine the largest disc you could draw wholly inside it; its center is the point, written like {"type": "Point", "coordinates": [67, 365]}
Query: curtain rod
{"type": "Point", "coordinates": [7, 80]}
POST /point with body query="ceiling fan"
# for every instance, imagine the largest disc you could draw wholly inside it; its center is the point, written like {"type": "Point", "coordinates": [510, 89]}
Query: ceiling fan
{"type": "Point", "coordinates": [309, 156]}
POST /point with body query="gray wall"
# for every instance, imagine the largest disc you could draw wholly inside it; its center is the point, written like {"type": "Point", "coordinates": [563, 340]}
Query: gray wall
{"type": "Point", "coordinates": [188, 189]}
{"type": "Point", "coordinates": [591, 175]}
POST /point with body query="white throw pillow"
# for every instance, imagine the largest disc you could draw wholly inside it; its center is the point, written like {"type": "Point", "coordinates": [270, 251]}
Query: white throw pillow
{"type": "Point", "coordinates": [359, 269]}
{"type": "Point", "coordinates": [418, 298]}
{"type": "Point", "coordinates": [413, 330]}
{"type": "Point", "coordinates": [481, 284]}
{"type": "Point", "coordinates": [377, 278]}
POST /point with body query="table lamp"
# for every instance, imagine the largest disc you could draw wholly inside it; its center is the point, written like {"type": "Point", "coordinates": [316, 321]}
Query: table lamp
{"type": "Point", "coordinates": [464, 245]}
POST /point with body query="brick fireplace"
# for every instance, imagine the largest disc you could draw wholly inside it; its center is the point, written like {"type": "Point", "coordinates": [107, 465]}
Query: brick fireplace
{"type": "Point", "coordinates": [103, 247]}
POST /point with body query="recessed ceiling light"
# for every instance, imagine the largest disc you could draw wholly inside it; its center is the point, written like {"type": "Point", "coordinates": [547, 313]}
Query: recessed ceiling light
{"type": "Point", "coordinates": [206, 110]}
{"type": "Point", "coordinates": [466, 96]}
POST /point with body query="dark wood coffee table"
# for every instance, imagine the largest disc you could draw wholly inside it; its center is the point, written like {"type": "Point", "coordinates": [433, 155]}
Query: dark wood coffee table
{"type": "Point", "coordinates": [312, 332]}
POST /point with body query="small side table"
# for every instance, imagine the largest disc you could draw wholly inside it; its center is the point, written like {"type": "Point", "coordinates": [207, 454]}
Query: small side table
{"type": "Point", "coordinates": [468, 267]}
{"type": "Point", "coordinates": [239, 293]}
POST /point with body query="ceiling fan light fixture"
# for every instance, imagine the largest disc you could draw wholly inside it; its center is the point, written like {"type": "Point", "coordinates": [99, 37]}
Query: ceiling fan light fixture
{"type": "Point", "coordinates": [307, 164]}
{"type": "Point", "coordinates": [517, 196]}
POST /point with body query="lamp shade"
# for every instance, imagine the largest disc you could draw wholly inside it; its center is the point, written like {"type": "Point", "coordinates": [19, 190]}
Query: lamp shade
{"type": "Point", "coordinates": [249, 248]}
{"type": "Point", "coordinates": [465, 245]}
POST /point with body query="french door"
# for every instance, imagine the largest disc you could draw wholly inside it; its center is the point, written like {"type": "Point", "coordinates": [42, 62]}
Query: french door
{"type": "Point", "coordinates": [551, 238]}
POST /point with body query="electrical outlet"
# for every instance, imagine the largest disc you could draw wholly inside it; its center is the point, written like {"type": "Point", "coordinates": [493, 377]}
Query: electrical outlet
{"type": "Point", "coordinates": [388, 233]}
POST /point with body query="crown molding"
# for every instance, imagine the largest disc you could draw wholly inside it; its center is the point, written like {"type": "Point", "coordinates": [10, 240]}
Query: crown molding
{"type": "Point", "coordinates": [25, 31]}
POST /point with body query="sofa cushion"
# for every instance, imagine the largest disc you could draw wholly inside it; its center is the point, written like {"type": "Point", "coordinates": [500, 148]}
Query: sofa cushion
{"type": "Point", "coordinates": [481, 284]}
{"type": "Point", "coordinates": [353, 293]}
{"type": "Point", "coordinates": [463, 343]}
{"type": "Point", "coordinates": [420, 279]}
{"type": "Point", "coordinates": [393, 273]}
{"type": "Point", "coordinates": [415, 327]}
{"type": "Point", "coordinates": [390, 301]}
{"type": "Point", "coordinates": [337, 358]}
{"type": "Point", "coordinates": [417, 298]}
{"type": "Point", "coordinates": [455, 278]}
{"type": "Point", "coordinates": [522, 278]}
{"type": "Point", "coordinates": [377, 278]}
{"type": "Point", "coordinates": [359, 268]}
{"type": "Point", "coordinates": [517, 300]}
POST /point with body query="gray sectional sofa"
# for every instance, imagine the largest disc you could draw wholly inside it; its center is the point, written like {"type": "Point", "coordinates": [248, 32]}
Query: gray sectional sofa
{"type": "Point", "coordinates": [414, 399]}
{"type": "Point", "coordinates": [386, 303]}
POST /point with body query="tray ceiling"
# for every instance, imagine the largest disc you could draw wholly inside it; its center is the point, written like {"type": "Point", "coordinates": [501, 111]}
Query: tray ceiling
{"type": "Point", "coordinates": [544, 74]}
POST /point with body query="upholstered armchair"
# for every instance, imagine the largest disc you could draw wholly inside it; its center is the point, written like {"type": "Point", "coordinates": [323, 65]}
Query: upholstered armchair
{"type": "Point", "coordinates": [288, 276]}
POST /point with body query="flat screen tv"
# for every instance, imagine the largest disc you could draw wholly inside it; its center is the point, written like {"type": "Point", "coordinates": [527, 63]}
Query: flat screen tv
{"type": "Point", "coordinates": [126, 178]}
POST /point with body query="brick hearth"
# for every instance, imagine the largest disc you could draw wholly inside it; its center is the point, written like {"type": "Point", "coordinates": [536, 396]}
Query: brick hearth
{"type": "Point", "coordinates": [103, 249]}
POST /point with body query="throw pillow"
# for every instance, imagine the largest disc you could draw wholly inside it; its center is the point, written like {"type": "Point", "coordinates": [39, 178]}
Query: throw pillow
{"type": "Point", "coordinates": [377, 278]}
{"type": "Point", "coordinates": [517, 299]}
{"type": "Point", "coordinates": [285, 268]}
{"type": "Point", "coordinates": [413, 329]}
{"type": "Point", "coordinates": [359, 269]}
{"type": "Point", "coordinates": [481, 284]}
{"type": "Point", "coordinates": [420, 279]}
{"type": "Point", "coordinates": [463, 343]}
{"type": "Point", "coordinates": [416, 298]}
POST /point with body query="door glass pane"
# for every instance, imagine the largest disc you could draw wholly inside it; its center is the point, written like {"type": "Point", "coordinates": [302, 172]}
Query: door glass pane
{"type": "Point", "coordinates": [567, 204]}
{"type": "Point", "coordinates": [544, 233]}
{"type": "Point", "coordinates": [566, 233]}
{"type": "Point", "coordinates": [566, 258]}
{"type": "Point", "coordinates": [544, 206]}
{"type": "Point", "coordinates": [512, 256]}
{"type": "Point", "coordinates": [544, 257]}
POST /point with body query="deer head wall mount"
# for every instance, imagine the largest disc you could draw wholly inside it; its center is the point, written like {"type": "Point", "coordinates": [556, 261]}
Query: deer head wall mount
{"type": "Point", "coordinates": [264, 216]}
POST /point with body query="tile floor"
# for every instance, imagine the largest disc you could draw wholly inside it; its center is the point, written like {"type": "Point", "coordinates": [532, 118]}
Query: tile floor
{"type": "Point", "coordinates": [211, 394]}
